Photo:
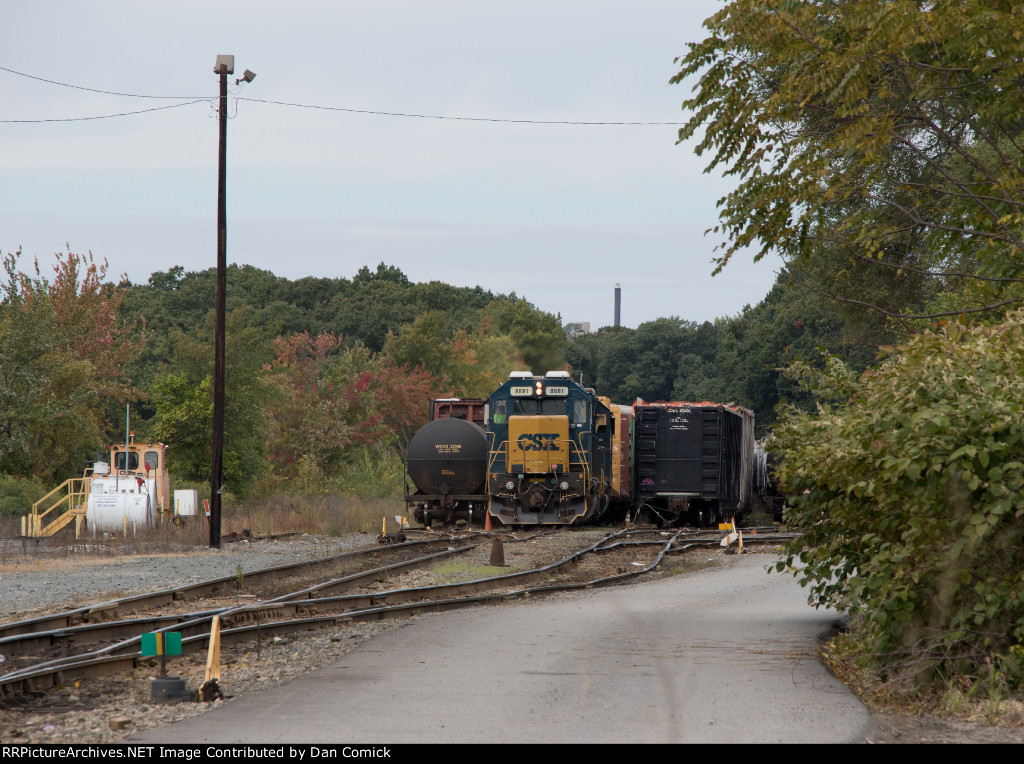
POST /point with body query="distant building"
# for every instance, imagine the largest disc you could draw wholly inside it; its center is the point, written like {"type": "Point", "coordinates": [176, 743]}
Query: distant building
{"type": "Point", "coordinates": [578, 328]}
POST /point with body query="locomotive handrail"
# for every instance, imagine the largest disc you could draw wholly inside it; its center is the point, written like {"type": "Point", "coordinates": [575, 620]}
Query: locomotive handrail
{"type": "Point", "coordinates": [492, 453]}
{"type": "Point", "coordinates": [583, 461]}
{"type": "Point", "coordinates": [490, 449]}
{"type": "Point", "coordinates": [573, 446]}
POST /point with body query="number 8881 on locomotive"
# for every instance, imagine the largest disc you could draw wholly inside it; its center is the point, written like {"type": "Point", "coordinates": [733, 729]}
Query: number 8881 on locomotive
{"type": "Point", "coordinates": [552, 451]}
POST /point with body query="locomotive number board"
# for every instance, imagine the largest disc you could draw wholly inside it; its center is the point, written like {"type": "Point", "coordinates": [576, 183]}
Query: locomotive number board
{"type": "Point", "coordinates": [526, 392]}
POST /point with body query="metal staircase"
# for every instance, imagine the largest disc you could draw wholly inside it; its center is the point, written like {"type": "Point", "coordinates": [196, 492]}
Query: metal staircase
{"type": "Point", "coordinates": [63, 505]}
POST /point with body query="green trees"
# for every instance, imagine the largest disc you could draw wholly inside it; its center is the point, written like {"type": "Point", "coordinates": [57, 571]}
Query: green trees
{"type": "Point", "coordinates": [908, 490]}
{"type": "Point", "coordinates": [346, 382]}
{"type": "Point", "coordinates": [465, 364]}
{"type": "Point", "coordinates": [183, 401]}
{"type": "Point", "coordinates": [879, 148]}
{"type": "Point", "coordinates": [539, 336]}
{"type": "Point", "coordinates": [64, 354]}
{"type": "Point", "coordinates": [736, 358]}
{"type": "Point", "coordinates": [880, 142]}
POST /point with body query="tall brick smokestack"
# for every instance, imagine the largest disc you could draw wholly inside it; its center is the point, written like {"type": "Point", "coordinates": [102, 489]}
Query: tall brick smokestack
{"type": "Point", "coordinates": [618, 304]}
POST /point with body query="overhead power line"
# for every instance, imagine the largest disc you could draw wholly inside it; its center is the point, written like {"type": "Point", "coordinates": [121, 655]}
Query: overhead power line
{"type": "Point", "coordinates": [106, 116]}
{"type": "Point", "coordinates": [95, 90]}
{"type": "Point", "coordinates": [197, 99]}
{"type": "Point", "coordinates": [440, 116]}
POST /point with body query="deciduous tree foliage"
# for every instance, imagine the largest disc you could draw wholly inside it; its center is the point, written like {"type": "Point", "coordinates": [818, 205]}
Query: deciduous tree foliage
{"type": "Point", "coordinates": [881, 139]}
{"type": "Point", "coordinates": [337, 406]}
{"type": "Point", "coordinates": [64, 354]}
{"type": "Point", "coordinates": [307, 417]}
{"type": "Point", "coordinates": [465, 364]}
{"type": "Point", "coordinates": [184, 402]}
{"type": "Point", "coordinates": [908, 487]}
{"type": "Point", "coordinates": [878, 147]}
{"type": "Point", "coordinates": [538, 335]}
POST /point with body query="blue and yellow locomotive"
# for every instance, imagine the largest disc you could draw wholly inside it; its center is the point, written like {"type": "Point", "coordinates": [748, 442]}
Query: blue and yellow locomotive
{"type": "Point", "coordinates": [552, 451]}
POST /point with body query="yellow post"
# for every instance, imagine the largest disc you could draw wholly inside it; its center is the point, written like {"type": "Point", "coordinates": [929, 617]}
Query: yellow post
{"type": "Point", "coordinates": [213, 654]}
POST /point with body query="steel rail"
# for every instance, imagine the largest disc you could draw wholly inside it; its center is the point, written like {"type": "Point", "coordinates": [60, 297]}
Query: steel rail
{"type": "Point", "coordinates": [308, 613]}
{"type": "Point", "coordinates": [16, 644]}
{"type": "Point", "coordinates": [85, 633]}
{"type": "Point", "coordinates": [103, 662]}
{"type": "Point", "coordinates": [135, 603]}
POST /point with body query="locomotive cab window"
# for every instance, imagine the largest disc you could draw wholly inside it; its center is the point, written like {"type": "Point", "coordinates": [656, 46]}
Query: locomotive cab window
{"type": "Point", "coordinates": [152, 460]}
{"type": "Point", "coordinates": [552, 406]}
{"type": "Point", "coordinates": [579, 411]}
{"type": "Point", "coordinates": [500, 411]}
{"type": "Point", "coordinates": [133, 461]}
{"type": "Point", "coordinates": [525, 406]}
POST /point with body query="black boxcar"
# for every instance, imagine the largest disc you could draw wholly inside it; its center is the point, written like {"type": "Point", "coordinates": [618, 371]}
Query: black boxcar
{"type": "Point", "coordinates": [693, 461]}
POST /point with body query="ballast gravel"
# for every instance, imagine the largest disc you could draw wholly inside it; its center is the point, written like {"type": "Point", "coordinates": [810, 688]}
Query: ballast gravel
{"type": "Point", "coordinates": [43, 582]}
{"type": "Point", "coordinates": [110, 710]}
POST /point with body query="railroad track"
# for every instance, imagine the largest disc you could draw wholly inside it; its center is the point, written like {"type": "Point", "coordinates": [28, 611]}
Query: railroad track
{"type": "Point", "coordinates": [47, 651]}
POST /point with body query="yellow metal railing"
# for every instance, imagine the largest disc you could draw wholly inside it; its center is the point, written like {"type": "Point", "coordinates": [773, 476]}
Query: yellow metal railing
{"type": "Point", "coordinates": [502, 451]}
{"type": "Point", "coordinates": [63, 505]}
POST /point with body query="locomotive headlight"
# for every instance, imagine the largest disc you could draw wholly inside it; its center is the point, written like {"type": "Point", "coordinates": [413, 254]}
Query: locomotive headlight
{"type": "Point", "coordinates": [564, 486]}
{"type": "Point", "coordinates": [509, 486]}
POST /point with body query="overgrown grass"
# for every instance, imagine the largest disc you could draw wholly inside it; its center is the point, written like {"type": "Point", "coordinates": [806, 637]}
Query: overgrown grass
{"type": "Point", "coordinates": [464, 571]}
{"type": "Point", "coordinates": [281, 513]}
{"type": "Point", "coordinates": [328, 515]}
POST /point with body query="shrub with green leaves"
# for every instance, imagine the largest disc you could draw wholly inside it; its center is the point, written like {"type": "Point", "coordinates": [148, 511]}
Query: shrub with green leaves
{"type": "Point", "coordinates": [907, 486]}
{"type": "Point", "coordinates": [18, 494]}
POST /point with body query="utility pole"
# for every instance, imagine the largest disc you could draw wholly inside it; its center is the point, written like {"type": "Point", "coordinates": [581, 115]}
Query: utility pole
{"type": "Point", "coordinates": [225, 65]}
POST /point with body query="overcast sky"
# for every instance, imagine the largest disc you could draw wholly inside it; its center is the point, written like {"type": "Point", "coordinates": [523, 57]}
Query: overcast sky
{"type": "Point", "coordinates": [557, 213]}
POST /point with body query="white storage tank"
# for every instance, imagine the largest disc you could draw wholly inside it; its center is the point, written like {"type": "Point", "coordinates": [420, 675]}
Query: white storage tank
{"type": "Point", "coordinates": [116, 504]}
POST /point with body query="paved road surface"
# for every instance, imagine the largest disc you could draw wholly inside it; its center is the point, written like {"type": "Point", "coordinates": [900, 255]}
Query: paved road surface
{"type": "Point", "coordinates": [721, 655]}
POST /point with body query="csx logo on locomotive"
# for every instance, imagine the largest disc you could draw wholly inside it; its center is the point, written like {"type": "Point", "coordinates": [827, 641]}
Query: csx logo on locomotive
{"type": "Point", "coordinates": [538, 441]}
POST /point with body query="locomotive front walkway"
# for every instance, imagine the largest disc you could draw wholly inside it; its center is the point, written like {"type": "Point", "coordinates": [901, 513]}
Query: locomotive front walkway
{"type": "Point", "coordinates": [720, 655]}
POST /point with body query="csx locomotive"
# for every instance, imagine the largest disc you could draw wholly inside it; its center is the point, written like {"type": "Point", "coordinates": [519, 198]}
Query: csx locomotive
{"type": "Point", "coordinates": [554, 451]}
